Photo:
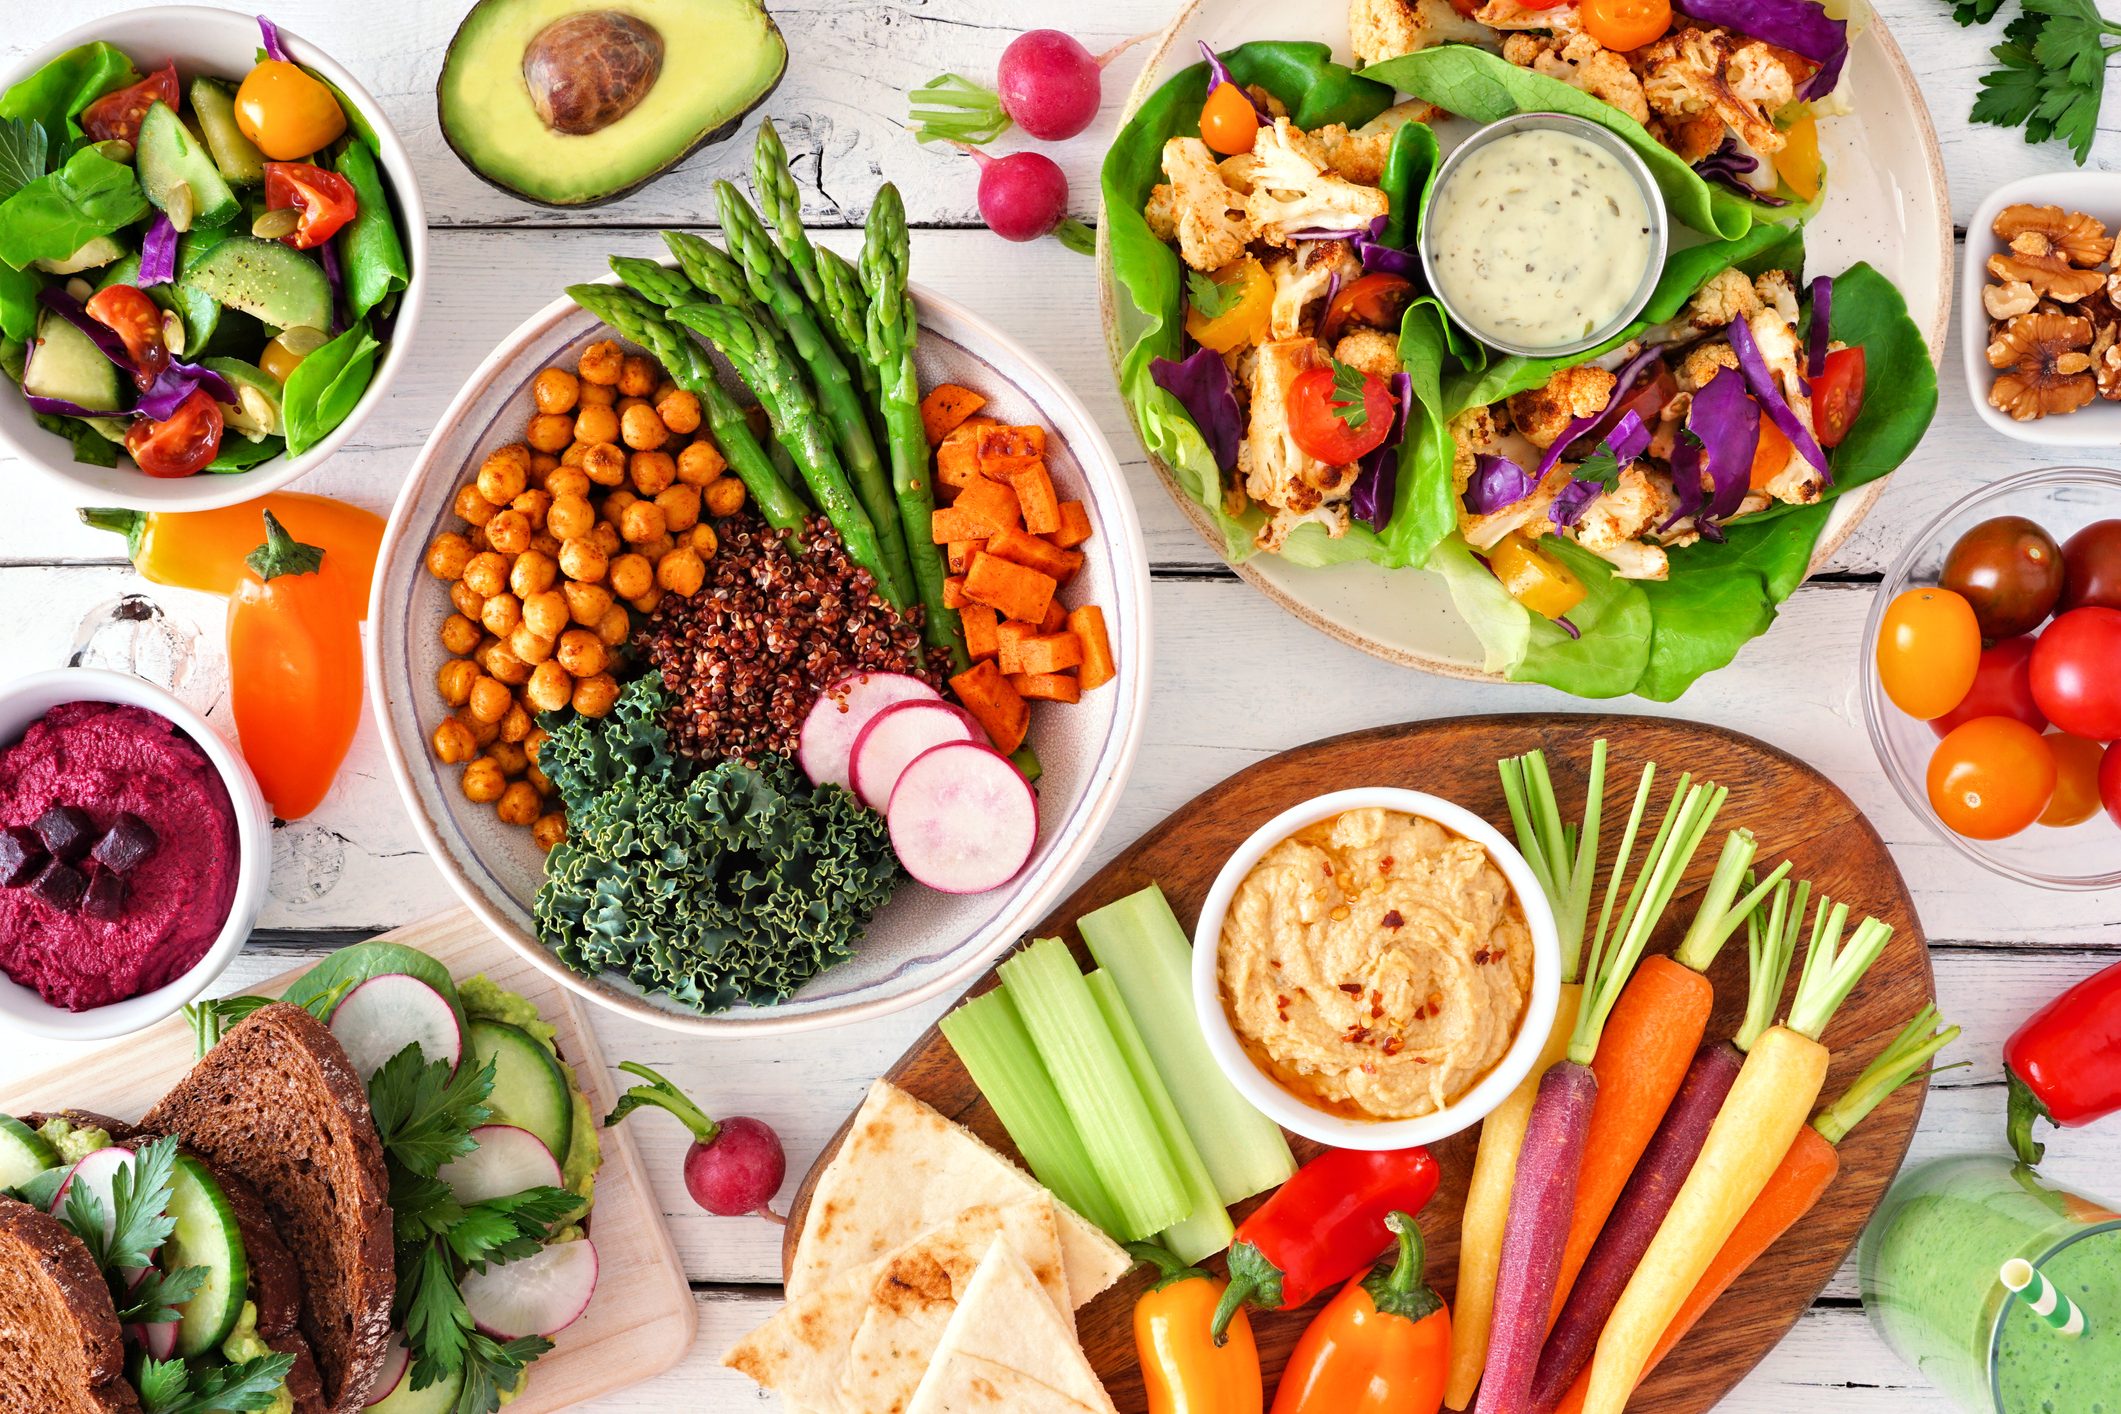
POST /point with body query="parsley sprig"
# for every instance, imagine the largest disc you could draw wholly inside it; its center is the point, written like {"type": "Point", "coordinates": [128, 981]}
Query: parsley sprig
{"type": "Point", "coordinates": [138, 1221]}
{"type": "Point", "coordinates": [2050, 73]}
{"type": "Point", "coordinates": [176, 1387]}
{"type": "Point", "coordinates": [1210, 298]}
{"type": "Point", "coordinates": [1348, 403]}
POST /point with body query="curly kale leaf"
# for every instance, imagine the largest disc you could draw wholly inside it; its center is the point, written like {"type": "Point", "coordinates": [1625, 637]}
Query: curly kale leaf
{"type": "Point", "coordinates": [717, 885]}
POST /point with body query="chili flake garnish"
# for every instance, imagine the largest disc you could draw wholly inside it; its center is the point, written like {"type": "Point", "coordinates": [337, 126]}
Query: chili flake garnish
{"type": "Point", "coordinates": [1353, 989]}
{"type": "Point", "coordinates": [1393, 920]}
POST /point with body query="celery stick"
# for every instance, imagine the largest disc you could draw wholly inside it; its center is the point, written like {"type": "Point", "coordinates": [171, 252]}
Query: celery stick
{"type": "Point", "coordinates": [1138, 940]}
{"type": "Point", "coordinates": [1207, 1229]}
{"type": "Point", "coordinates": [1097, 1088]}
{"type": "Point", "coordinates": [990, 1039]}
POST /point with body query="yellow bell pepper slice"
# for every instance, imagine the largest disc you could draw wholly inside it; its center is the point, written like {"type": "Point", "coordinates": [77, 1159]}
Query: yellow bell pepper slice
{"type": "Point", "coordinates": [1799, 164]}
{"type": "Point", "coordinates": [1536, 580]}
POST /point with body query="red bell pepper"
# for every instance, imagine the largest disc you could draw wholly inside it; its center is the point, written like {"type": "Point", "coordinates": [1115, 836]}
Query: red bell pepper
{"type": "Point", "coordinates": [2064, 1064]}
{"type": "Point", "coordinates": [1322, 1227]}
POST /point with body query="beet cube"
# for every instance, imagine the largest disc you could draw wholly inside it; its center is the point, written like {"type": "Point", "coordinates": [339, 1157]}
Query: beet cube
{"type": "Point", "coordinates": [60, 885]}
{"type": "Point", "coordinates": [21, 856]}
{"type": "Point", "coordinates": [106, 896]}
{"type": "Point", "coordinates": [67, 831]}
{"type": "Point", "coordinates": [129, 840]}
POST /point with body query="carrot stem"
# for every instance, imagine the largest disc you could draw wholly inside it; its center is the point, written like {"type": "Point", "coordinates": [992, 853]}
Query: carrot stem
{"type": "Point", "coordinates": [1721, 909]}
{"type": "Point", "coordinates": [1769, 946]}
{"type": "Point", "coordinates": [1898, 1063]}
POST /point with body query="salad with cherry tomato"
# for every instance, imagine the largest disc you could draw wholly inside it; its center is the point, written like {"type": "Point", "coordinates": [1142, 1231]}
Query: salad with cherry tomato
{"type": "Point", "coordinates": [198, 272]}
{"type": "Point", "coordinates": [2014, 659]}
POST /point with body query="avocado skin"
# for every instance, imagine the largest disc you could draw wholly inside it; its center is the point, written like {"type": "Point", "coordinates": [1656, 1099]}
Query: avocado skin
{"type": "Point", "coordinates": [722, 133]}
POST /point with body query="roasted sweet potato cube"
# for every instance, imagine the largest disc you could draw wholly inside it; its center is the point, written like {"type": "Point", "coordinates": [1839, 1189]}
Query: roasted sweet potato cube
{"type": "Point", "coordinates": [1047, 687]}
{"type": "Point", "coordinates": [1036, 554]}
{"type": "Point", "coordinates": [999, 708]}
{"type": "Point", "coordinates": [1009, 642]}
{"type": "Point", "coordinates": [993, 503]}
{"type": "Point", "coordinates": [957, 459]}
{"type": "Point", "coordinates": [1004, 451]}
{"type": "Point", "coordinates": [950, 524]}
{"type": "Point", "coordinates": [1074, 526]}
{"type": "Point", "coordinates": [1056, 618]}
{"type": "Point", "coordinates": [980, 624]}
{"type": "Point", "coordinates": [946, 407]}
{"type": "Point", "coordinates": [1009, 588]}
{"type": "Point", "coordinates": [958, 554]}
{"type": "Point", "coordinates": [954, 592]}
{"type": "Point", "coordinates": [1088, 624]}
{"type": "Point", "coordinates": [1034, 494]}
{"type": "Point", "coordinates": [1049, 653]}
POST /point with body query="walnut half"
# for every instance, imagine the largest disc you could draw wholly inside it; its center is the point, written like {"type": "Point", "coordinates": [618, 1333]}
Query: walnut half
{"type": "Point", "coordinates": [2076, 237]}
{"type": "Point", "coordinates": [2010, 300]}
{"type": "Point", "coordinates": [2044, 366]}
{"type": "Point", "coordinates": [2049, 274]}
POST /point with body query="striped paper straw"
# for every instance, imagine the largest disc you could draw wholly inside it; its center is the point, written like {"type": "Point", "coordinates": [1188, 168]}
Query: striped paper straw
{"type": "Point", "coordinates": [2030, 1285]}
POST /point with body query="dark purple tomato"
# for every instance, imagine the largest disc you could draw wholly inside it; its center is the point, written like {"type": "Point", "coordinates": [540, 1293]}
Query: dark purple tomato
{"type": "Point", "coordinates": [2010, 570]}
{"type": "Point", "coordinates": [2092, 559]}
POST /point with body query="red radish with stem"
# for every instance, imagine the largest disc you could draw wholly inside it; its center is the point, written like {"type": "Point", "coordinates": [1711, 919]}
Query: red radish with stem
{"type": "Point", "coordinates": [734, 1166]}
{"type": "Point", "coordinates": [1051, 85]}
{"type": "Point", "coordinates": [1022, 197]}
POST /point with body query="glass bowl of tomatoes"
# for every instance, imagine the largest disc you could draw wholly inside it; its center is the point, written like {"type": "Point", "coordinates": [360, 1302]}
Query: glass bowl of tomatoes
{"type": "Point", "coordinates": [1992, 677]}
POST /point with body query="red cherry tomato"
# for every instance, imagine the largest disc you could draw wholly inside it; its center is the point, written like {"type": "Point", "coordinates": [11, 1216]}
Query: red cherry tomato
{"type": "Point", "coordinates": [137, 320]}
{"type": "Point", "coordinates": [2110, 782]}
{"type": "Point", "coordinates": [2076, 796]}
{"type": "Point", "coordinates": [2092, 560]}
{"type": "Point", "coordinates": [1376, 300]}
{"type": "Point", "coordinates": [1837, 396]}
{"type": "Point", "coordinates": [2076, 673]}
{"type": "Point", "coordinates": [1991, 778]}
{"type": "Point", "coordinates": [182, 442]}
{"type": "Point", "coordinates": [2003, 687]}
{"type": "Point", "coordinates": [325, 199]}
{"type": "Point", "coordinates": [1929, 650]}
{"type": "Point", "coordinates": [116, 115]}
{"type": "Point", "coordinates": [1319, 418]}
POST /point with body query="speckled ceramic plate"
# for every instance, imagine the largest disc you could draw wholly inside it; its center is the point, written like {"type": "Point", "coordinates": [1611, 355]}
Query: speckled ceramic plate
{"type": "Point", "coordinates": [1885, 203]}
{"type": "Point", "coordinates": [922, 943]}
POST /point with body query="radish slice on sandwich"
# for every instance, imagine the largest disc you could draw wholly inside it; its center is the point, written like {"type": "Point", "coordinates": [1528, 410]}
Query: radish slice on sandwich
{"type": "Point", "coordinates": [385, 1014]}
{"type": "Point", "coordinates": [541, 1294]}
{"type": "Point", "coordinates": [507, 1160]}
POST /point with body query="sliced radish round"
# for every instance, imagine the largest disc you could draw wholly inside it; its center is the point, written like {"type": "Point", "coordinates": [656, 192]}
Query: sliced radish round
{"type": "Point", "coordinates": [963, 819]}
{"type": "Point", "coordinates": [160, 1339]}
{"type": "Point", "coordinates": [840, 713]}
{"type": "Point", "coordinates": [97, 1170]}
{"type": "Point", "coordinates": [541, 1294]}
{"type": "Point", "coordinates": [385, 1014]}
{"type": "Point", "coordinates": [972, 724]}
{"type": "Point", "coordinates": [893, 738]}
{"type": "Point", "coordinates": [508, 1160]}
{"type": "Point", "coordinates": [396, 1361]}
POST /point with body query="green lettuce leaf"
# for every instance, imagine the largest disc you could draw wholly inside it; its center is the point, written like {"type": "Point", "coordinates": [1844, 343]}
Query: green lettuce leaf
{"type": "Point", "coordinates": [55, 95]}
{"type": "Point", "coordinates": [54, 216]}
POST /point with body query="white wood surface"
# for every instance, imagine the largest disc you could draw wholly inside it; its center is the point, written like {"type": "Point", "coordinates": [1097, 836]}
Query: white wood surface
{"type": "Point", "coordinates": [1235, 679]}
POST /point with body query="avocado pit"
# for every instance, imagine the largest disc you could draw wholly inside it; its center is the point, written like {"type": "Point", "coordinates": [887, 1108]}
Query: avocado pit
{"type": "Point", "coordinates": [588, 70]}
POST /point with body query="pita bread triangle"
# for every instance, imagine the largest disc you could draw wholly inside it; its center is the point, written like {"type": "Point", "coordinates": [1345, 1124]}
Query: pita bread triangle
{"type": "Point", "coordinates": [1005, 1327]}
{"type": "Point", "coordinates": [967, 1384]}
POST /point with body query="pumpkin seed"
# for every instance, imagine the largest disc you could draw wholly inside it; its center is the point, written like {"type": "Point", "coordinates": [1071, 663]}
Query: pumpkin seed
{"type": "Point", "coordinates": [272, 225]}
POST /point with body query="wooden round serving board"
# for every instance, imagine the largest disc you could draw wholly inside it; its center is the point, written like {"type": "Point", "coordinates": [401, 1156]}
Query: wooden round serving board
{"type": "Point", "coordinates": [1794, 811]}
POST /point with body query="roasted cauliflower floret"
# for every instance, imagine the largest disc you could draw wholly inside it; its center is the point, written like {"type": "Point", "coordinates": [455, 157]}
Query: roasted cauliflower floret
{"type": "Point", "coordinates": [1209, 218]}
{"type": "Point", "coordinates": [1637, 504]}
{"type": "Point", "coordinates": [1528, 516]}
{"type": "Point", "coordinates": [1472, 432]}
{"type": "Point", "coordinates": [1542, 413]}
{"type": "Point", "coordinates": [1637, 559]}
{"type": "Point", "coordinates": [1359, 153]}
{"type": "Point", "coordinates": [1370, 350]}
{"type": "Point", "coordinates": [1292, 190]}
{"type": "Point", "coordinates": [1385, 29]}
{"type": "Point", "coordinates": [1728, 295]}
{"type": "Point", "coordinates": [1515, 14]}
{"type": "Point", "coordinates": [1778, 293]}
{"type": "Point", "coordinates": [1278, 474]}
{"type": "Point", "coordinates": [1799, 482]}
{"type": "Point", "coordinates": [1703, 362]}
{"type": "Point", "coordinates": [1691, 73]}
{"type": "Point", "coordinates": [1302, 277]}
{"type": "Point", "coordinates": [1583, 63]}
{"type": "Point", "coordinates": [1161, 214]}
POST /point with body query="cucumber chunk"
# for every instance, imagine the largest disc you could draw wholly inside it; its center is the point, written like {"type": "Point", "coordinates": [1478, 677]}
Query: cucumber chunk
{"type": "Point", "coordinates": [529, 1088]}
{"type": "Point", "coordinates": [94, 252]}
{"type": "Point", "coordinates": [24, 1153]}
{"type": "Point", "coordinates": [206, 1235]}
{"type": "Point", "coordinates": [281, 286]}
{"type": "Point", "coordinates": [179, 175]}
{"type": "Point", "coordinates": [437, 1398]}
{"type": "Point", "coordinates": [214, 104]}
{"type": "Point", "coordinates": [65, 363]}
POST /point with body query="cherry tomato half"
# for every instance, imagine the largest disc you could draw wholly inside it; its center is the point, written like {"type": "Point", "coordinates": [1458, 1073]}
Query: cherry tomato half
{"type": "Point", "coordinates": [2076, 796]}
{"type": "Point", "coordinates": [2092, 558]}
{"type": "Point", "coordinates": [1626, 24]}
{"type": "Point", "coordinates": [2110, 782]}
{"type": "Point", "coordinates": [1837, 396]}
{"type": "Point", "coordinates": [325, 199]}
{"type": "Point", "coordinates": [2077, 673]}
{"type": "Point", "coordinates": [1229, 124]}
{"type": "Point", "coordinates": [182, 442]}
{"type": "Point", "coordinates": [1771, 454]}
{"type": "Point", "coordinates": [1991, 778]}
{"type": "Point", "coordinates": [1319, 418]}
{"type": "Point", "coordinates": [137, 320]}
{"type": "Point", "coordinates": [286, 112]}
{"type": "Point", "coordinates": [116, 115]}
{"type": "Point", "coordinates": [2010, 570]}
{"type": "Point", "coordinates": [2003, 687]}
{"type": "Point", "coordinates": [1375, 299]}
{"type": "Point", "coordinates": [1929, 651]}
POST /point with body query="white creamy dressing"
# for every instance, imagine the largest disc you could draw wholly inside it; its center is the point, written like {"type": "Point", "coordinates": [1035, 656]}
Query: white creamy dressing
{"type": "Point", "coordinates": [1539, 238]}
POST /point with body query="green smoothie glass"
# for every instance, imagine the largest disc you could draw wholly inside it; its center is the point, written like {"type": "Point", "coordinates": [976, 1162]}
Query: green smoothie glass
{"type": "Point", "coordinates": [1930, 1263]}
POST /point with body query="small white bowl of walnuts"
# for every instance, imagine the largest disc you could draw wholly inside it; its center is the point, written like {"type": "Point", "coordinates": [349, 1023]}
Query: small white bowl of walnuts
{"type": "Point", "coordinates": [2040, 304]}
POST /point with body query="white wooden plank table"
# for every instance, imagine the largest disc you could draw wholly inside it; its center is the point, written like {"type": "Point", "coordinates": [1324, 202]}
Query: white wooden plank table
{"type": "Point", "coordinates": [1226, 658]}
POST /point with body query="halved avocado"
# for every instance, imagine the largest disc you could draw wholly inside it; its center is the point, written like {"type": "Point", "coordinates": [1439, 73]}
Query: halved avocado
{"type": "Point", "coordinates": [571, 103]}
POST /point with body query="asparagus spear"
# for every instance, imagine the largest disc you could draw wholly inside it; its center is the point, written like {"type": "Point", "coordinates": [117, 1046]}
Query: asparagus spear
{"type": "Point", "coordinates": [846, 305]}
{"type": "Point", "coordinates": [788, 402]}
{"type": "Point", "coordinates": [783, 204]}
{"type": "Point", "coordinates": [772, 283]}
{"type": "Point", "coordinates": [633, 317]}
{"type": "Point", "coordinates": [892, 330]}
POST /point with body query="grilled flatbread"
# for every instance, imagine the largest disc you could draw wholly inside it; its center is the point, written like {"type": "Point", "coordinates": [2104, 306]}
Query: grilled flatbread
{"type": "Point", "coordinates": [1003, 1350]}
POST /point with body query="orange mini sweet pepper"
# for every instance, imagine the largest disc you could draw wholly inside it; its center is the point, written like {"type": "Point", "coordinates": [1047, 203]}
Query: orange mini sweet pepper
{"type": "Point", "coordinates": [1383, 1346]}
{"type": "Point", "coordinates": [1183, 1367]}
{"type": "Point", "coordinates": [207, 549]}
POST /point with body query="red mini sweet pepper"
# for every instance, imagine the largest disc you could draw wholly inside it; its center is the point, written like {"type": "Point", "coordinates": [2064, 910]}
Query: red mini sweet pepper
{"type": "Point", "coordinates": [1322, 1227]}
{"type": "Point", "coordinates": [2064, 1064]}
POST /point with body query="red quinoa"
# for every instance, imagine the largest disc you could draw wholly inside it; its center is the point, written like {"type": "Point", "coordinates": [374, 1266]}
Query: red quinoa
{"type": "Point", "coordinates": [747, 656]}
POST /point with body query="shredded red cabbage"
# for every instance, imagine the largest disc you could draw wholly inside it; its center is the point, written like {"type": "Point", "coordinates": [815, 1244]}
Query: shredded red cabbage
{"type": "Point", "coordinates": [1575, 498]}
{"type": "Point", "coordinates": [1629, 439]}
{"type": "Point", "coordinates": [1822, 312]}
{"type": "Point", "coordinates": [1725, 423]}
{"type": "Point", "coordinates": [273, 48]}
{"type": "Point", "coordinates": [1800, 26]}
{"type": "Point", "coordinates": [1377, 486]}
{"type": "Point", "coordinates": [158, 253]}
{"type": "Point", "coordinates": [1730, 166]}
{"type": "Point", "coordinates": [176, 384]}
{"type": "Point", "coordinates": [1566, 627]}
{"type": "Point", "coordinates": [1623, 383]}
{"type": "Point", "coordinates": [1377, 257]}
{"type": "Point", "coordinates": [332, 272]}
{"type": "Point", "coordinates": [1203, 386]}
{"type": "Point", "coordinates": [68, 308]}
{"type": "Point", "coordinates": [1761, 380]}
{"type": "Point", "coordinates": [1497, 482]}
{"type": "Point", "coordinates": [1219, 74]}
{"type": "Point", "coordinates": [60, 407]}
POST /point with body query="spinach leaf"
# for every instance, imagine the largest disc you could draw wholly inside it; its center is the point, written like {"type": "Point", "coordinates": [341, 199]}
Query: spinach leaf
{"type": "Point", "coordinates": [22, 150]}
{"type": "Point", "coordinates": [54, 216]}
{"type": "Point", "coordinates": [373, 256]}
{"type": "Point", "coordinates": [241, 454]}
{"type": "Point", "coordinates": [55, 95]}
{"type": "Point", "coordinates": [326, 386]}
{"type": "Point", "coordinates": [18, 302]}
{"type": "Point", "coordinates": [91, 448]}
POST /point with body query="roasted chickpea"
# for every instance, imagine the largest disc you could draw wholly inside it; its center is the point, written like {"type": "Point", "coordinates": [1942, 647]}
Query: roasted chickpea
{"type": "Point", "coordinates": [534, 504]}
{"type": "Point", "coordinates": [681, 507]}
{"type": "Point", "coordinates": [614, 626]}
{"type": "Point", "coordinates": [459, 635]}
{"type": "Point", "coordinates": [542, 465]}
{"type": "Point", "coordinates": [580, 652]}
{"type": "Point", "coordinates": [703, 540]}
{"type": "Point", "coordinates": [586, 603]}
{"type": "Point", "coordinates": [516, 724]}
{"type": "Point", "coordinates": [503, 475]}
{"type": "Point", "coordinates": [453, 743]}
{"type": "Point", "coordinates": [489, 699]}
{"type": "Point", "coordinates": [486, 574]}
{"type": "Point", "coordinates": [642, 429]}
{"type": "Point", "coordinates": [572, 457]}
{"type": "Point", "coordinates": [567, 481]}
{"type": "Point", "coordinates": [538, 778]}
{"type": "Point", "coordinates": [466, 602]}
{"type": "Point", "coordinates": [503, 665]}
{"type": "Point", "coordinates": [471, 505]}
{"type": "Point", "coordinates": [543, 543]}
{"type": "Point", "coordinates": [549, 831]}
{"type": "Point", "coordinates": [657, 548]}
{"type": "Point", "coordinates": [501, 614]}
{"type": "Point", "coordinates": [508, 756]}
{"type": "Point", "coordinates": [605, 536]}
{"type": "Point", "coordinates": [614, 505]}
{"type": "Point", "coordinates": [647, 603]}
{"type": "Point", "coordinates": [549, 688]}
{"type": "Point", "coordinates": [533, 572]}
{"type": "Point", "coordinates": [700, 463]}
{"type": "Point", "coordinates": [581, 559]}
{"type": "Point", "coordinates": [570, 515]}
{"type": "Point", "coordinates": [530, 647]}
{"type": "Point", "coordinates": [509, 532]}
{"type": "Point", "coordinates": [679, 410]}
{"type": "Point", "coordinates": [631, 576]}
{"type": "Point", "coordinates": [601, 362]}
{"type": "Point", "coordinates": [651, 471]}
{"type": "Point", "coordinates": [483, 781]}
{"type": "Point", "coordinates": [448, 555]}
{"type": "Point", "coordinates": [555, 390]}
{"type": "Point", "coordinates": [483, 734]}
{"type": "Point", "coordinates": [638, 376]}
{"type": "Point", "coordinates": [643, 520]}
{"type": "Point", "coordinates": [604, 464]}
{"type": "Point", "coordinates": [454, 680]}
{"type": "Point", "coordinates": [664, 387]}
{"type": "Point", "coordinates": [623, 404]}
{"type": "Point", "coordinates": [550, 432]}
{"type": "Point", "coordinates": [535, 742]}
{"type": "Point", "coordinates": [545, 614]}
{"type": "Point", "coordinates": [595, 424]}
{"type": "Point", "coordinates": [519, 804]}
{"type": "Point", "coordinates": [593, 696]}
{"type": "Point", "coordinates": [682, 572]}
{"type": "Point", "coordinates": [597, 395]}
{"type": "Point", "coordinates": [724, 497]}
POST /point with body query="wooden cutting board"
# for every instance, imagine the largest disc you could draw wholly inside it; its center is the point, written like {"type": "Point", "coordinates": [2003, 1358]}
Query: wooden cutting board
{"type": "Point", "coordinates": [1794, 811]}
{"type": "Point", "coordinates": [641, 1320]}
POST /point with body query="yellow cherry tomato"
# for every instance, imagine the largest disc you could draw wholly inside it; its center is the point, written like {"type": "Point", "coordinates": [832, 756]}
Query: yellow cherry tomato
{"type": "Point", "coordinates": [1929, 648]}
{"type": "Point", "coordinates": [1245, 320]}
{"type": "Point", "coordinates": [1229, 124]}
{"type": "Point", "coordinates": [1626, 24]}
{"type": "Point", "coordinates": [285, 351]}
{"type": "Point", "coordinates": [286, 113]}
{"type": "Point", "coordinates": [1798, 162]}
{"type": "Point", "coordinates": [1536, 580]}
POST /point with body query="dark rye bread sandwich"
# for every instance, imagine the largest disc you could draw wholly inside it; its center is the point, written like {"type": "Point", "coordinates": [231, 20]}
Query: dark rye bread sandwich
{"type": "Point", "coordinates": [60, 1351]}
{"type": "Point", "coordinates": [278, 1104]}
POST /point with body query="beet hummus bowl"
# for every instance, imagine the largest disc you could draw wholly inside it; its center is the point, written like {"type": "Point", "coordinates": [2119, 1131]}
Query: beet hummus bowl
{"type": "Point", "coordinates": [134, 851]}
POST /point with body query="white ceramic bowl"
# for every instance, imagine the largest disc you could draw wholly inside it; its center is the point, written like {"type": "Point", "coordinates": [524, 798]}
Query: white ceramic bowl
{"type": "Point", "coordinates": [923, 943]}
{"type": "Point", "coordinates": [223, 43]}
{"type": "Point", "coordinates": [26, 699]}
{"type": "Point", "coordinates": [1284, 1108]}
{"type": "Point", "coordinates": [2096, 194]}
